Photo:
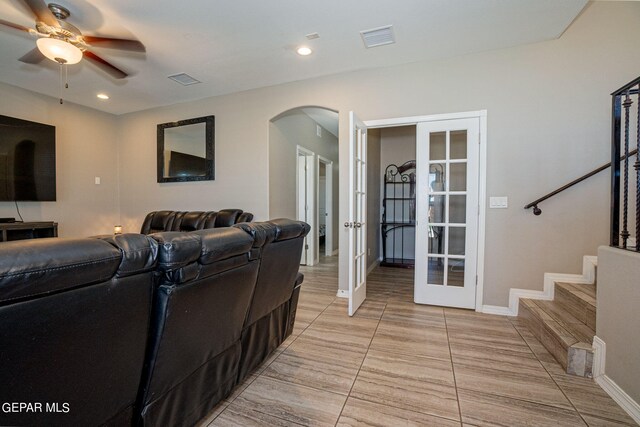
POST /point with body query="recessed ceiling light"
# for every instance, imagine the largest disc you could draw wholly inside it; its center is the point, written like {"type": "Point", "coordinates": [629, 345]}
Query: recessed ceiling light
{"type": "Point", "coordinates": [304, 51]}
{"type": "Point", "coordinates": [102, 96]}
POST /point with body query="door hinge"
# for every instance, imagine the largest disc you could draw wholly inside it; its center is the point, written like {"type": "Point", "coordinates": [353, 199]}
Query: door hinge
{"type": "Point", "coordinates": [476, 280]}
{"type": "Point", "coordinates": [306, 248]}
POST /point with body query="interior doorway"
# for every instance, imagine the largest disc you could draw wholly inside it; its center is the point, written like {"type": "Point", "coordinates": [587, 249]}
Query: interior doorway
{"type": "Point", "coordinates": [325, 206]}
{"type": "Point", "coordinates": [306, 201]}
{"type": "Point", "coordinates": [438, 187]}
{"type": "Point", "coordinates": [303, 176]}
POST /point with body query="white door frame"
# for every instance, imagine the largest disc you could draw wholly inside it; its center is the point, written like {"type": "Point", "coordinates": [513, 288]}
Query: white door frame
{"type": "Point", "coordinates": [309, 217]}
{"type": "Point", "coordinates": [328, 205]}
{"type": "Point", "coordinates": [482, 171]}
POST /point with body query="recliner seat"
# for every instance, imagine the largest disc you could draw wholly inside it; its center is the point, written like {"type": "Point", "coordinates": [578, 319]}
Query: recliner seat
{"type": "Point", "coordinates": [74, 318]}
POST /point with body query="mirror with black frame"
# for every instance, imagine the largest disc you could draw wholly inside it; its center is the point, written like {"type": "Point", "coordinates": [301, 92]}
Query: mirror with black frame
{"type": "Point", "coordinates": [186, 150]}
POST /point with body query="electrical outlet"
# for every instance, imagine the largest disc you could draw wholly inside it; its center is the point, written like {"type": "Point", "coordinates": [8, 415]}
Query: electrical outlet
{"type": "Point", "coordinates": [97, 180]}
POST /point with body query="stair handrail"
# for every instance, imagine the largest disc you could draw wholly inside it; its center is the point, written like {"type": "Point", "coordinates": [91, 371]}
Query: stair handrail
{"type": "Point", "coordinates": [534, 204]}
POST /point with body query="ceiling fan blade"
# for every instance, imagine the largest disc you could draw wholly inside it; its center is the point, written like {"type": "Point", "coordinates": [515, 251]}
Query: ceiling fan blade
{"type": "Point", "coordinates": [112, 43]}
{"type": "Point", "coordinates": [12, 25]}
{"type": "Point", "coordinates": [109, 68]}
{"type": "Point", "coordinates": [34, 56]}
{"type": "Point", "coordinates": [42, 12]}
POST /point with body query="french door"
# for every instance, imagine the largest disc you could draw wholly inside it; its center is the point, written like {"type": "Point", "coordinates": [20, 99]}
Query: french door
{"type": "Point", "coordinates": [356, 224]}
{"type": "Point", "coordinates": [447, 162]}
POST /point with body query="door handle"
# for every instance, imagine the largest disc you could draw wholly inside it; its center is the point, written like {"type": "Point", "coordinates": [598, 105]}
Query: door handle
{"type": "Point", "coordinates": [358, 224]}
{"type": "Point", "coordinates": [348, 224]}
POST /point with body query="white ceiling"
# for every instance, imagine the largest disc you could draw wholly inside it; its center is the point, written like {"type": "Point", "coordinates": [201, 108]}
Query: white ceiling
{"type": "Point", "coordinates": [232, 46]}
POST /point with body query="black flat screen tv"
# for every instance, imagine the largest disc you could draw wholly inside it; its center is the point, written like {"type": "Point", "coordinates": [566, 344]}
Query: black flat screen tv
{"type": "Point", "coordinates": [27, 160]}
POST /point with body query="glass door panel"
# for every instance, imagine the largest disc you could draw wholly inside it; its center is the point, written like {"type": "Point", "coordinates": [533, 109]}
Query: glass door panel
{"type": "Point", "coordinates": [447, 199]}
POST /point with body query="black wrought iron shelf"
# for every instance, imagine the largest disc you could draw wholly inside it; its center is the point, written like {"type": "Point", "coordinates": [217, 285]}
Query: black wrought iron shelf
{"type": "Point", "coordinates": [399, 215]}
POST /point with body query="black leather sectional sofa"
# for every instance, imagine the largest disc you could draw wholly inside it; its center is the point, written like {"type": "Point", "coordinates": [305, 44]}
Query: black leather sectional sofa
{"type": "Point", "coordinates": [141, 330]}
{"type": "Point", "coordinates": [194, 220]}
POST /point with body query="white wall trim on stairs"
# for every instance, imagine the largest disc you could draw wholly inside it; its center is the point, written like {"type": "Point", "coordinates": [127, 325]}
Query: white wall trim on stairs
{"type": "Point", "coordinates": [599, 352]}
{"type": "Point", "coordinates": [625, 401]}
{"type": "Point", "coordinates": [588, 276]}
{"type": "Point", "coordinates": [496, 309]}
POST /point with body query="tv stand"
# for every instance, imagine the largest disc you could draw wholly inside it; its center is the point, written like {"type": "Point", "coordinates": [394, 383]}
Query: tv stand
{"type": "Point", "coordinates": [27, 230]}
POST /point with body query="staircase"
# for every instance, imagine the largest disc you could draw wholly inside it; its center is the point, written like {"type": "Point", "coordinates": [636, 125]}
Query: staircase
{"type": "Point", "coordinates": [565, 325]}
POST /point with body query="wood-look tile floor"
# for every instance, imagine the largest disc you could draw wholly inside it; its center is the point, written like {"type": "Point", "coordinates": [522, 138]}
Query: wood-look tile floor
{"type": "Point", "coordinates": [396, 363]}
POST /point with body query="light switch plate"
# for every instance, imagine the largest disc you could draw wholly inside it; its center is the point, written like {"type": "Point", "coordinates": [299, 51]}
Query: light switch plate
{"type": "Point", "coordinates": [97, 181]}
{"type": "Point", "coordinates": [501, 202]}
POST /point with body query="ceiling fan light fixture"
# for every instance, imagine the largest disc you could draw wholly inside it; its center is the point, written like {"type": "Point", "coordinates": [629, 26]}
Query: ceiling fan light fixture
{"type": "Point", "coordinates": [59, 51]}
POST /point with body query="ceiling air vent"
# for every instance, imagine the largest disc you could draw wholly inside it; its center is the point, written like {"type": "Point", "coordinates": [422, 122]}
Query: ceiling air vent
{"type": "Point", "coordinates": [378, 36]}
{"type": "Point", "coordinates": [184, 79]}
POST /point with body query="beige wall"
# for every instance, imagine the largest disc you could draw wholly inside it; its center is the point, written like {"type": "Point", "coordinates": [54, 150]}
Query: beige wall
{"type": "Point", "coordinates": [397, 145]}
{"type": "Point", "coordinates": [85, 148]}
{"type": "Point", "coordinates": [618, 317]}
{"type": "Point", "coordinates": [285, 134]}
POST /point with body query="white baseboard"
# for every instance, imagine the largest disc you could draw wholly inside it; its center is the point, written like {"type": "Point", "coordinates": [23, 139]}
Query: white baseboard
{"type": "Point", "coordinates": [625, 401]}
{"type": "Point", "coordinates": [588, 275]}
{"type": "Point", "coordinates": [496, 309]}
{"type": "Point", "coordinates": [342, 293]}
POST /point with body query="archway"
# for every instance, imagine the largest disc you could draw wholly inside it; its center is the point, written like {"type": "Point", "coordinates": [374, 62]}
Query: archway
{"type": "Point", "coordinates": [303, 175]}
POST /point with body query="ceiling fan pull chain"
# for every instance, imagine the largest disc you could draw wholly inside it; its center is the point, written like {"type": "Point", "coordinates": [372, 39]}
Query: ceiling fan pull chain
{"type": "Point", "coordinates": [66, 76]}
{"type": "Point", "coordinates": [60, 87]}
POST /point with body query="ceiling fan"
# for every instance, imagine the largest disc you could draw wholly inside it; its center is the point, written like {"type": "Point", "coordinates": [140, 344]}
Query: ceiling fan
{"type": "Point", "coordinates": [63, 43]}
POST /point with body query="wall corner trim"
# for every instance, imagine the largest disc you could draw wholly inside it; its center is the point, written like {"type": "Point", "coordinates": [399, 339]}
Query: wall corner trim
{"type": "Point", "coordinates": [625, 401]}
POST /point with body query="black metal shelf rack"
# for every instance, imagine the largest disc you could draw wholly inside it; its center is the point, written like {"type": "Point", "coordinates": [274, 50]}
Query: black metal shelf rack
{"type": "Point", "coordinates": [399, 215]}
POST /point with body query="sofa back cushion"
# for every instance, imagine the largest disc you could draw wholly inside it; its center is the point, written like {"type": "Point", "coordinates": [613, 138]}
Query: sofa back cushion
{"type": "Point", "coordinates": [189, 221]}
{"type": "Point", "coordinates": [158, 221]}
{"type": "Point", "coordinates": [29, 268]}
